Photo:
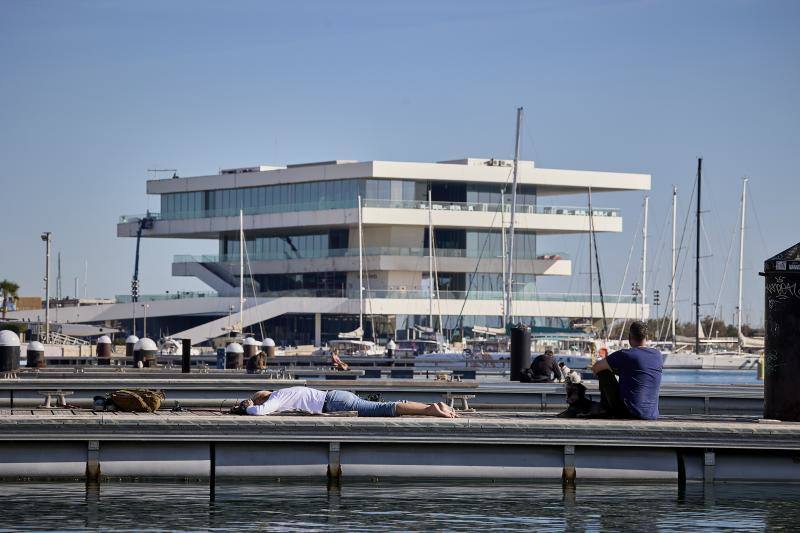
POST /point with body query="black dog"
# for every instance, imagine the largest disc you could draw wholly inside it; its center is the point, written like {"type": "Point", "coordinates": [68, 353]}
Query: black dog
{"type": "Point", "coordinates": [578, 403]}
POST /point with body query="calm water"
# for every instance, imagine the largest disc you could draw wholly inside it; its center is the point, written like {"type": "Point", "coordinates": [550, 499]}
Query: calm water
{"type": "Point", "coordinates": [711, 377]}
{"type": "Point", "coordinates": [308, 505]}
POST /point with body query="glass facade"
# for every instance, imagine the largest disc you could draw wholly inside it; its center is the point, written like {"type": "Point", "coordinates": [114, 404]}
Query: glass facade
{"type": "Point", "coordinates": [302, 246]}
{"type": "Point", "coordinates": [481, 282]}
{"type": "Point", "coordinates": [316, 283]}
{"type": "Point", "coordinates": [330, 194]}
{"type": "Point", "coordinates": [490, 194]}
{"type": "Point", "coordinates": [486, 244]}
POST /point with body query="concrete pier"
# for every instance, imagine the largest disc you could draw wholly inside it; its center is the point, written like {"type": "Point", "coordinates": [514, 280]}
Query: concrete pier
{"type": "Point", "coordinates": [209, 444]}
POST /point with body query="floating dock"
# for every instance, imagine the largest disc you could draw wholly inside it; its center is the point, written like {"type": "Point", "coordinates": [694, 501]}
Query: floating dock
{"type": "Point", "coordinates": [206, 444]}
{"type": "Point", "coordinates": [224, 388]}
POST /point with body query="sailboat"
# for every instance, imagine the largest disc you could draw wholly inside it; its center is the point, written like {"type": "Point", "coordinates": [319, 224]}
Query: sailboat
{"type": "Point", "coordinates": [698, 358]}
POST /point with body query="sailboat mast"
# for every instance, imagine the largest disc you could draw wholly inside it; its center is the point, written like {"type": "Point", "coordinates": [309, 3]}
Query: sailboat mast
{"type": "Point", "coordinates": [644, 257]}
{"type": "Point", "coordinates": [241, 270]}
{"type": "Point", "coordinates": [504, 314]}
{"type": "Point", "coordinates": [430, 259]}
{"type": "Point", "coordinates": [360, 274]}
{"type": "Point", "coordinates": [591, 268]}
{"type": "Point", "coordinates": [697, 259]}
{"type": "Point", "coordinates": [672, 283]}
{"type": "Point", "coordinates": [510, 276]}
{"type": "Point", "coordinates": [741, 262]}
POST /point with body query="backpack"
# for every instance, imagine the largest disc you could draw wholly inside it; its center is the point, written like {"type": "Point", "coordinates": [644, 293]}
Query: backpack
{"type": "Point", "coordinates": [136, 400]}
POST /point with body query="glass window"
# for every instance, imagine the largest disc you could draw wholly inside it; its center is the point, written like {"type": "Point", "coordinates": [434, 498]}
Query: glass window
{"type": "Point", "coordinates": [384, 189]}
{"type": "Point", "coordinates": [372, 189]}
{"type": "Point", "coordinates": [408, 190]}
{"type": "Point", "coordinates": [396, 192]}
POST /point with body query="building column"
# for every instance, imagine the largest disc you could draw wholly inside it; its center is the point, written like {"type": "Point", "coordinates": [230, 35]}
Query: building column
{"type": "Point", "coordinates": [317, 329]}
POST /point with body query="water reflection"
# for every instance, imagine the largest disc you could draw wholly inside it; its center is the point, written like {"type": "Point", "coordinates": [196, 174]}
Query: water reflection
{"type": "Point", "coordinates": [367, 506]}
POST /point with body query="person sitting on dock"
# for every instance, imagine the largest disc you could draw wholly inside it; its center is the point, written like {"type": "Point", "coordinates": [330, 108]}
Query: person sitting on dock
{"type": "Point", "coordinates": [639, 368]}
{"type": "Point", "coordinates": [544, 369]}
{"type": "Point", "coordinates": [316, 401]}
{"type": "Point", "coordinates": [337, 362]}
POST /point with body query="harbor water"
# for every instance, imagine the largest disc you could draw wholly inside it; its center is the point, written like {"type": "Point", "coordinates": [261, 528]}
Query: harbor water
{"type": "Point", "coordinates": [397, 506]}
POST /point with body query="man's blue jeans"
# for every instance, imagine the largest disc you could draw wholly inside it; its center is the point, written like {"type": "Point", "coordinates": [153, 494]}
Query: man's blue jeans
{"type": "Point", "coordinates": [340, 400]}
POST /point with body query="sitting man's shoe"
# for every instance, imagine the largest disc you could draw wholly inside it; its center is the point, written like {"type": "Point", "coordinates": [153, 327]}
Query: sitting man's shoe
{"type": "Point", "coordinates": [596, 410]}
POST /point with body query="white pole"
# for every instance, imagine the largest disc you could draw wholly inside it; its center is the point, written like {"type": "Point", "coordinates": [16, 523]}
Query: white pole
{"type": "Point", "coordinates": [46, 238]}
{"type": "Point", "coordinates": [241, 270]}
{"type": "Point", "coordinates": [510, 277]}
{"type": "Point", "coordinates": [644, 258]}
{"type": "Point", "coordinates": [504, 314]}
{"type": "Point", "coordinates": [145, 306]}
{"type": "Point", "coordinates": [85, 276]}
{"type": "Point", "coordinates": [360, 272]}
{"type": "Point", "coordinates": [741, 262]}
{"type": "Point", "coordinates": [591, 269]}
{"type": "Point", "coordinates": [673, 288]}
{"type": "Point", "coordinates": [430, 259]}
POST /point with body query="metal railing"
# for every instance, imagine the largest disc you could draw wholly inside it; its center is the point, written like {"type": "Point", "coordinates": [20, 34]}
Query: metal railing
{"type": "Point", "coordinates": [321, 205]}
{"type": "Point", "coordinates": [179, 295]}
{"type": "Point", "coordinates": [351, 252]}
{"type": "Point", "coordinates": [525, 296]}
{"type": "Point", "coordinates": [60, 338]}
{"type": "Point", "coordinates": [481, 207]}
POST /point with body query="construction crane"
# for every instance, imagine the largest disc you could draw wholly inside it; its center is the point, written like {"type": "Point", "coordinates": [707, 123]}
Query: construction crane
{"type": "Point", "coordinates": [146, 222]}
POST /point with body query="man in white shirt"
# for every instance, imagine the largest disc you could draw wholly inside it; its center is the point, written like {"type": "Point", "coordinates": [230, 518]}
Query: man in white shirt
{"type": "Point", "coordinates": [316, 401]}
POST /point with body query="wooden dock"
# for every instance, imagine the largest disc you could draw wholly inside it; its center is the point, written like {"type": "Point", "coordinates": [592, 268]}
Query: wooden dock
{"type": "Point", "coordinates": [210, 444]}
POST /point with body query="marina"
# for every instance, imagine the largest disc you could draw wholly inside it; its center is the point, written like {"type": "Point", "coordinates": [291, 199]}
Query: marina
{"type": "Point", "coordinates": [367, 266]}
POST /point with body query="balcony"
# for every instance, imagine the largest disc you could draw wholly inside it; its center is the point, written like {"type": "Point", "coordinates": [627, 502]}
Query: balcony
{"type": "Point", "coordinates": [323, 214]}
{"type": "Point", "coordinates": [351, 252]}
{"type": "Point", "coordinates": [469, 207]}
{"type": "Point", "coordinates": [384, 258]}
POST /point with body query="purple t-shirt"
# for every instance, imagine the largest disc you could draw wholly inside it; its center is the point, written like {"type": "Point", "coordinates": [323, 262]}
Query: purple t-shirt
{"type": "Point", "coordinates": [639, 371]}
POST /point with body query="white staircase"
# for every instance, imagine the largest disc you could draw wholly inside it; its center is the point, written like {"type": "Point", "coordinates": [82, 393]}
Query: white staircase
{"type": "Point", "coordinates": [66, 340]}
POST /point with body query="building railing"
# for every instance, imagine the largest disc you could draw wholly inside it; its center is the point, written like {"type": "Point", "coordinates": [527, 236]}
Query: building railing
{"type": "Point", "coordinates": [321, 205]}
{"type": "Point", "coordinates": [179, 295]}
{"type": "Point", "coordinates": [352, 252]}
{"type": "Point", "coordinates": [481, 207]}
{"type": "Point", "coordinates": [525, 296]}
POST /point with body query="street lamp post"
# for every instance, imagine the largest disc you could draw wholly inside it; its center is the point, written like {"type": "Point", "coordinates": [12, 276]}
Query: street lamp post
{"type": "Point", "coordinates": [46, 238]}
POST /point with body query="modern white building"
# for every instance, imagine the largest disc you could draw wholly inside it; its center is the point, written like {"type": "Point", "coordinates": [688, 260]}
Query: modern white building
{"type": "Point", "coordinates": [301, 227]}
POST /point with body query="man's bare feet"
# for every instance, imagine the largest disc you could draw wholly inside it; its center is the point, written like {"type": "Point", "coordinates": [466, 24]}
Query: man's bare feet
{"type": "Point", "coordinates": [443, 410]}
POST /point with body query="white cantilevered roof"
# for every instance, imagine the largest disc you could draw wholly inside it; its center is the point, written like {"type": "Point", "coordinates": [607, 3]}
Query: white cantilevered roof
{"type": "Point", "coordinates": [548, 181]}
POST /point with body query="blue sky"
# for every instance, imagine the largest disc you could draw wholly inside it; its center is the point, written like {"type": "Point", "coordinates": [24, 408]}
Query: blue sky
{"type": "Point", "coordinates": [95, 93]}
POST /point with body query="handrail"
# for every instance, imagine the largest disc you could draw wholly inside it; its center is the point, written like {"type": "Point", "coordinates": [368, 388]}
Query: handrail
{"type": "Point", "coordinates": [381, 204]}
{"type": "Point", "coordinates": [350, 252]}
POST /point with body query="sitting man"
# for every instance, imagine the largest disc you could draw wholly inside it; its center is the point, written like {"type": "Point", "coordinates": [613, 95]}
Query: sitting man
{"type": "Point", "coordinates": [639, 370]}
{"type": "Point", "coordinates": [316, 401]}
{"type": "Point", "coordinates": [545, 369]}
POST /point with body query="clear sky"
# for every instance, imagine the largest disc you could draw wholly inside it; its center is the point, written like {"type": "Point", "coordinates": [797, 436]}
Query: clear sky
{"type": "Point", "coordinates": [94, 93]}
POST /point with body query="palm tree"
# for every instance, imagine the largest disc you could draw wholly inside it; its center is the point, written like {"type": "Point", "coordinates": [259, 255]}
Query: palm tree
{"type": "Point", "coordinates": [9, 288]}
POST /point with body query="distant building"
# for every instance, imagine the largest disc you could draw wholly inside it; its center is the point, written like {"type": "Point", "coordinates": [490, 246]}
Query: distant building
{"type": "Point", "coordinates": [301, 232]}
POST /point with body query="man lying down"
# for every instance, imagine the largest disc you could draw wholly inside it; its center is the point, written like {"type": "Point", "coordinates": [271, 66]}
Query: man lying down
{"type": "Point", "coordinates": [316, 401]}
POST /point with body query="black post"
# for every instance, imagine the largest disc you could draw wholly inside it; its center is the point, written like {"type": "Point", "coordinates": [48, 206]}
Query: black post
{"type": "Point", "coordinates": [520, 350]}
{"type": "Point", "coordinates": [697, 259]}
{"type": "Point", "coordinates": [186, 355]}
{"type": "Point", "coordinates": [782, 335]}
